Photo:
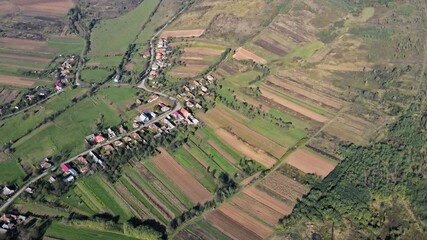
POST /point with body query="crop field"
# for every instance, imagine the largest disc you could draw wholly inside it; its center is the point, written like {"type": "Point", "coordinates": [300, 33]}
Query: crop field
{"type": "Point", "coordinates": [8, 95]}
{"type": "Point", "coordinates": [167, 195]}
{"type": "Point", "coordinates": [45, 7]}
{"type": "Point", "coordinates": [103, 195]}
{"type": "Point", "coordinates": [16, 81]}
{"type": "Point", "coordinates": [68, 232]}
{"type": "Point", "coordinates": [243, 54]}
{"type": "Point", "coordinates": [176, 173]}
{"type": "Point", "coordinates": [238, 224]}
{"type": "Point", "coordinates": [310, 163]}
{"type": "Point", "coordinates": [20, 55]}
{"type": "Point", "coordinates": [220, 117]}
{"type": "Point", "coordinates": [201, 229]}
{"type": "Point", "coordinates": [120, 32]}
{"type": "Point", "coordinates": [197, 56]}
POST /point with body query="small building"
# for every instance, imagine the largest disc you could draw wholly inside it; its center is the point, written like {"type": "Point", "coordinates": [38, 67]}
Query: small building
{"type": "Point", "coordinates": [210, 78]}
{"type": "Point", "coordinates": [69, 179]}
{"type": "Point", "coordinates": [8, 190]}
{"type": "Point", "coordinates": [143, 117]}
{"type": "Point", "coordinates": [52, 179]}
{"type": "Point", "coordinates": [118, 143]}
{"type": "Point", "coordinates": [99, 138]}
{"type": "Point", "coordinates": [65, 167]}
{"type": "Point", "coordinates": [155, 67]}
{"type": "Point", "coordinates": [146, 53]}
{"type": "Point", "coordinates": [117, 78]}
{"type": "Point", "coordinates": [152, 98]}
{"type": "Point", "coordinates": [185, 113]}
{"type": "Point", "coordinates": [111, 133]}
{"type": "Point", "coordinates": [58, 86]}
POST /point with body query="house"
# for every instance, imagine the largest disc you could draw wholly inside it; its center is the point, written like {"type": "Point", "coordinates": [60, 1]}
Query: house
{"type": "Point", "coordinates": [52, 179]}
{"type": "Point", "coordinates": [204, 89]}
{"type": "Point", "coordinates": [146, 53]}
{"type": "Point", "coordinates": [45, 165]}
{"type": "Point", "coordinates": [189, 104]}
{"type": "Point", "coordinates": [153, 72]}
{"type": "Point", "coordinates": [8, 190]}
{"type": "Point", "coordinates": [136, 136]}
{"type": "Point", "coordinates": [139, 101]}
{"type": "Point", "coordinates": [95, 158]}
{"type": "Point", "coordinates": [118, 143]}
{"type": "Point", "coordinates": [164, 107]}
{"type": "Point", "coordinates": [185, 113]}
{"type": "Point", "coordinates": [155, 67]}
{"type": "Point", "coordinates": [82, 160]}
{"type": "Point", "coordinates": [107, 149]}
{"type": "Point", "coordinates": [99, 138]}
{"type": "Point", "coordinates": [122, 130]}
{"type": "Point", "coordinates": [29, 190]}
{"type": "Point", "coordinates": [111, 133]}
{"type": "Point", "coordinates": [144, 117]}
{"type": "Point", "coordinates": [153, 115]}
{"type": "Point", "coordinates": [65, 167]}
{"type": "Point", "coordinates": [127, 139]}
{"type": "Point", "coordinates": [117, 78]}
{"type": "Point", "coordinates": [152, 98]}
{"type": "Point", "coordinates": [210, 78]}
{"type": "Point", "coordinates": [135, 125]}
{"type": "Point", "coordinates": [58, 86]}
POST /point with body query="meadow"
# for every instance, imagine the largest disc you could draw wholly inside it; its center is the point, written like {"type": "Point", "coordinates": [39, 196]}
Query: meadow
{"type": "Point", "coordinates": [11, 172]}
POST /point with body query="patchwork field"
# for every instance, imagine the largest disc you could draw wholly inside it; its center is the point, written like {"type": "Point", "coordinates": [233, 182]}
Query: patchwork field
{"type": "Point", "coordinates": [176, 173]}
{"type": "Point", "coordinates": [243, 54]}
{"type": "Point", "coordinates": [196, 57]}
{"type": "Point", "coordinates": [46, 7]}
{"type": "Point", "coordinates": [8, 95]}
{"type": "Point", "coordinates": [16, 81]}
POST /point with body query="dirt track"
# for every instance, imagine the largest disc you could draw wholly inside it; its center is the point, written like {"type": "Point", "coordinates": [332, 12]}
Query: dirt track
{"type": "Point", "coordinates": [243, 54]}
{"type": "Point", "coordinates": [189, 186]}
{"type": "Point", "coordinates": [310, 163]}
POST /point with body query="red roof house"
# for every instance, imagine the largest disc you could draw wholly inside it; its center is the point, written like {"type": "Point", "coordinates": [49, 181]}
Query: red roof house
{"type": "Point", "coordinates": [65, 167]}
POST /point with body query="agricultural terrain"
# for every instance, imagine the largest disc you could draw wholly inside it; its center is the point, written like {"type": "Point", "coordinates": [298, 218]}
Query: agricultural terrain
{"type": "Point", "coordinates": [242, 119]}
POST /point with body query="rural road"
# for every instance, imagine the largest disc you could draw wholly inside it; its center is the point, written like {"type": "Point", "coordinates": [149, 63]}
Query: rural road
{"type": "Point", "coordinates": [110, 141]}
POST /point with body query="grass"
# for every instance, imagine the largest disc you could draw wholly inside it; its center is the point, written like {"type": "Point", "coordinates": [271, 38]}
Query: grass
{"type": "Point", "coordinates": [66, 133]}
{"type": "Point", "coordinates": [11, 172]}
{"type": "Point", "coordinates": [18, 125]}
{"type": "Point", "coordinates": [65, 45]}
{"type": "Point", "coordinates": [103, 192]}
{"type": "Point", "coordinates": [406, 9]}
{"type": "Point", "coordinates": [284, 137]}
{"type": "Point", "coordinates": [196, 169]}
{"type": "Point", "coordinates": [95, 75]}
{"type": "Point", "coordinates": [305, 51]}
{"type": "Point", "coordinates": [40, 209]}
{"type": "Point", "coordinates": [76, 199]}
{"type": "Point", "coordinates": [112, 36]}
{"type": "Point", "coordinates": [66, 232]}
{"type": "Point", "coordinates": [243, 79]}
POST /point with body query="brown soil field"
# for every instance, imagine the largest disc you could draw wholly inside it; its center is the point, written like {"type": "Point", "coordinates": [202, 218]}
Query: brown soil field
{"type": "Point", "coordinates": [292, 106]}
{"type": "Point", "coordinates": [257, 209]}
{"type": "Point", "coordinates": [245, 149]}
{"type": "Point", "coordinates": [248, 180]}
{"type": "Point", "coordinates": [272, 46]}
{"type": "Point", "coordinates": [243, 54]}
{"type": "Point", "coordinates": [188, 71]}
{"type": "Point", "coordinates": [268, 200]}
{"type": "Point", "coordinates": [221, 118]}
{"type": "Point", "coordinates": [334, 103]}
{"type": "Point", "coordinates": [227, 156]}
{"type": "Point", "coordinates": [230, 227]}
{"type": "Point", "coordinates": [158, 185]}
{"type": "Point", "coordinates": [21, 44]}
{"type": "Point", "coordinates": [310, 163]}
{"type": "Point", "coordinates": [189, 186]}
{"type": "Point", "coordinates": [7, 95]}
{"type": "Point", "coordinates": [202, 51]}
{"type": "Point", "coordinates": [182, 33]}
{"type": "Point", "coordinates": [245, 220]}
{"type": "Point", "coordinates": [6, 7]}
{"type": "Point", "coordinates": [295, 27]}
{"type": "Point", "coordinates": [57, 7]}
{"type": "Point", "coordinates": [24, 58]}
{"type": "Point", "coordinates": [166, 213]}
{"type": "Point", "coordinates": [16, 81]}
{"type": "Point", "coordinates": [285, 186]}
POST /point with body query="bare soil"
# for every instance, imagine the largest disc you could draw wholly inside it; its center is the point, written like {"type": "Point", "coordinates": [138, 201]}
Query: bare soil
{"type": "Point", "coordinates": [16, 81]}
{"type": "Point", "coordinates": [243, 54]}
{"type": "Point", "coordinates": [310, 163]}
{"type": "Point", "coordinates": [183, 33]}
{"type": "Point", "coordinates": [268, 200]}
{"type": "Point", "coordinates": [21, 44]}
{"type": "Point", "coordinates": [189, 186]}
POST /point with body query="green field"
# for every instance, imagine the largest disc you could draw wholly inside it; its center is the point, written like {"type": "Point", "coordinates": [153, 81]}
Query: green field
{"type": "Point", "coordinates": [40, 209]}
{"type": "Point", "coordinates": [112, 37]}
{"type": "Point", "coordinates": [78, 202]}
{"type": "Point", "coordinates": [95, 75]}
{"type": "Point", "coordinates": [11, 172]}
{"type": "Point", "coordinates": [66, 232]}
{"type": "Point", "coordinates": [100, 190]}
{"type": "Point", "coordinates": [18, 125]}
{"type": "Point", "coordinates": [66, 133]}
{"type": "Point", "coordinates": [66, 45]}
{"type": "Point", "coordinates": [195, 169]}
